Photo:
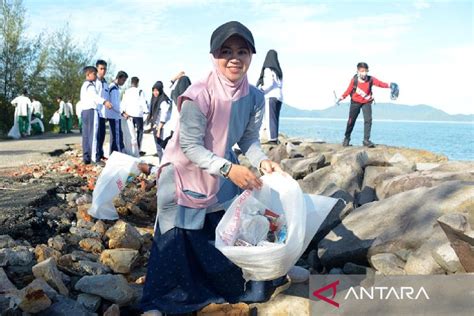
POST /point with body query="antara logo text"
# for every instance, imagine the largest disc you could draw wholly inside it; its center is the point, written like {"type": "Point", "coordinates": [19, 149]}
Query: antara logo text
{"type": "Point", "coordinates": [372, 293]}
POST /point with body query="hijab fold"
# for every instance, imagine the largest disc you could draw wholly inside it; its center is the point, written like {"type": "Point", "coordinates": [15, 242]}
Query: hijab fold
{"type": "Point", "coordinates": [271, 61]}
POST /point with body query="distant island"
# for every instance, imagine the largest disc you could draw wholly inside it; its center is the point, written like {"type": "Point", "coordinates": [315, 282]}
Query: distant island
{"type": "Point", "coordinates": [381, 111]}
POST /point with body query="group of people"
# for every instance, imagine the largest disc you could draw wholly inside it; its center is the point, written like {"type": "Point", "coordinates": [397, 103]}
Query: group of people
{"type": "Point", "coordinates": [28, 117]}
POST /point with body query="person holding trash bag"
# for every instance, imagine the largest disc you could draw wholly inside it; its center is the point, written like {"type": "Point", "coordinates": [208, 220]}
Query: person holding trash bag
{"type": "Point", "coordinates": [198, 179]}
{"type": "Point", "coordinates": [360, 90]}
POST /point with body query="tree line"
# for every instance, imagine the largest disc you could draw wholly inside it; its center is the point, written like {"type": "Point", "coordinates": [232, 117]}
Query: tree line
{"type": "Point", "coordinates": [47, 64]}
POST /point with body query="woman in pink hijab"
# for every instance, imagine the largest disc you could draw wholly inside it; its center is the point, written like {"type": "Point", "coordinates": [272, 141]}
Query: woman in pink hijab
{"type": "Point", "coordinates": [198, 180]}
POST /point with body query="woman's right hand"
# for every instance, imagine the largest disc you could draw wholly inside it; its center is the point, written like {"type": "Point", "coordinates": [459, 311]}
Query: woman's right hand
{"type": "Point", "coordinates": [244, 178]}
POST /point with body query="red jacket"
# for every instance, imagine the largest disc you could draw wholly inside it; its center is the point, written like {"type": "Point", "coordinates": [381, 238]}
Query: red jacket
{"type": "Point", "coordinates": [362, 95]}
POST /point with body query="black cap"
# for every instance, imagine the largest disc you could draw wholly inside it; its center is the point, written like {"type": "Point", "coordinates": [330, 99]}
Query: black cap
{"type": "Point", "coordinates": [223, 32]}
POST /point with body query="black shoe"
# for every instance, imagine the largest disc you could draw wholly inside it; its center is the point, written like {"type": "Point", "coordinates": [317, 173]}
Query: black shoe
{"type": "Point", "coordinates": [368, 143]}
{"type": "Point", "coordinates": [142, 153]}
{"type": "Point", "coordinates": [87, 162]}
{"type": "Point", "coordinates": [345, 143]}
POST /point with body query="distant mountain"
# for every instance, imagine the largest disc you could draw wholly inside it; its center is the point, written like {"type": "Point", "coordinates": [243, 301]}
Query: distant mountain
{"type": "Point", "coordinates": [381, 111]}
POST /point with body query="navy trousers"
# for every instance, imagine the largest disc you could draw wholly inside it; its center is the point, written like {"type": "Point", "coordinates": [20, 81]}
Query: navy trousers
{"type": "Point", "coordinates": [100, 138]}
{"type": "Point", "coordinates": [116, 136]}
{"type": "Point", "coordinates": [138, 123]}
{"type": "Point", "coordinates": [274, 117]}
{"type": "Point", "coordinates": [87, 117]}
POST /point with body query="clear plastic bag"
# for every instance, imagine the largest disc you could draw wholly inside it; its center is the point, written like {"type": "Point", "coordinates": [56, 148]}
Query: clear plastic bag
{"type": "Point", "coordinates": [282, 195]}
{"type": "Point", "coordinates": [119, 170]}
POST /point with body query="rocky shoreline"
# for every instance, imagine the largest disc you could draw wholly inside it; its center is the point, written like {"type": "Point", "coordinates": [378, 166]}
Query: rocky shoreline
{"type": "Point", "coordinates": [56, 260]}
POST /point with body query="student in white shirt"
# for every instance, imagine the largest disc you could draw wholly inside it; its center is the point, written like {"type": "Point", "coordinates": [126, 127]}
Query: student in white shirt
{"type": "Point", "coordinates": [37, 108]}
{"type": "Point", "coordinates": [103, 91]}
{"type": "Point", "coordinates": [78, 114]}
{"type": "Point", "coordinates": [271, 83]}
{"type": "Point", "coordinates": [134, 105]}
{"type": "Point", "coordinates": [64, 114]}
{"type": "Point", "coordinates": [160, 112]}
{"type": "Point", "coordinates": [89, 101]}
{"type": "Point", "coordinates": [114, 114]}
{"type": "Point", "coordinates": [22, 112]}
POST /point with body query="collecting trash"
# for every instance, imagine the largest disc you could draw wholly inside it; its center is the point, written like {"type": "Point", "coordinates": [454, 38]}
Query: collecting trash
{"type": "Point", "coordinates": [119, 170]}
{"type": "Point", "coordinates": [265, 231]}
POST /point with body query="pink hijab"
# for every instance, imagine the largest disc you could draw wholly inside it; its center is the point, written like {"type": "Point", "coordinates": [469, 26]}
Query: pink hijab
{"type": "Point", "coordinates": [214, 95]}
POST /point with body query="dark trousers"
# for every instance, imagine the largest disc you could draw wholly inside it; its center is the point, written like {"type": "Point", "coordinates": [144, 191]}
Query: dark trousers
{"type": "Point", "coordinates": [159, 142]}
{"type": "Point", "coordinates": [274, 117]}
{"type": "Point", "coordinates": [138, 123]}
{"type": "Point", "coordinates": [87, 117]}
{"type": "Point", "coordinates": [100, 138]}
{"type": "Point", "coordinates": [354, 113]}
{"type": "Point", "coordinates": [116, 136]}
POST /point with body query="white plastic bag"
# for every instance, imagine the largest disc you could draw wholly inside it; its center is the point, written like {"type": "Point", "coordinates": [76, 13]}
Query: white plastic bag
{"type": "Point", "coordinates": [303, 214]}
{"type": "Point", "coordinates": [119, 170]}
{"type": "Point", "coordinates": [130, 138]}
{"type": "Point", "coordinates": [55, 119]}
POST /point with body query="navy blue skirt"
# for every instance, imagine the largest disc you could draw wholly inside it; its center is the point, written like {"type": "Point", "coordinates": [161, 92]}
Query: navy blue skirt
{"type": "Point", "coordinates": [186, 273]}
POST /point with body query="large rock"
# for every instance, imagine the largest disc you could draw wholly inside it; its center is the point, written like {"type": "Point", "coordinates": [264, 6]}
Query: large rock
{"type": "Point", "coordinates": [388, 264]}
{"type": "Point", "coordinates": [83, 232]}
{"type": "Point", "coordinates": [403, 221]}
{"type": "Point", "coordinates": [57, 242]}
{"type": "Point", "coordinates": [66, 307]}
{"type": "Point", "coordinates": [6, 285]}
{"type": "Point", "coordinates": [89, 301]}
{"type": "Point", "coordinates": [93, 245]}
{"type": "Point", "coordinates": [119, 260]}
{"type": "Point", "coordinates": [298, 168]}
{"type": "Point", "coordinates": [445, 256]}
{"type": "Point", "coordinates": [276, 153]}
{"type": "Point", "coordinates": [7, 242]}
{"type": "Point", "coordinates": [110, 287]}
{"type": "Point", "coordinates": [43, 252]}
{"type": "Point", "coordinates": [421, 261]}
{"type": "Point", "coordinates": [124, 235]}
{"type": "Point", "coordinates": [16, 256]}
{"type": "Point", "coordinates": [48, 270]}
{"type": "Point", "coordinates": [34, 299]}
{"type": "Point", "coordinates": [374, 175]}
{"type": "Point", "coordinates": [418, 179]}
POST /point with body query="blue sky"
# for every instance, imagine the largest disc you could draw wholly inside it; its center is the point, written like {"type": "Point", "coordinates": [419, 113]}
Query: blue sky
{"type": "Point", "coordinates": [427, 47]}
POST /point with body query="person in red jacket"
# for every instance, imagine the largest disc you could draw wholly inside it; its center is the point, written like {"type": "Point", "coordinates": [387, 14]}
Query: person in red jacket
{"type": "Point", "coordinates": [360, 90]}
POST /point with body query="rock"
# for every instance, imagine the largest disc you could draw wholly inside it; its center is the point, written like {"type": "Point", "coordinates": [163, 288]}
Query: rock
{"type": "Point", "coordinates": [374, 175]}
{"type": "Point", "coordinates": [110, 287]}
{"type": "Point", "coordinates": [84, 224]}
{"type": "Point", "coordinates": [91, 268]}
{"type": "Point", "coordinates": [424, 166]}
{"type": "Point", "coordinates": [55, 212]}
{"type": "Point", "coordinates": [99, 227]}
{"type": "Point", "coordinates": [66, 307]}
{"type": "Point", "coordinates": [57, 242]}
{"type": "Point", "coordinates": [47, 289]}
{"type": "Point", "coordinates": [445, 256]}
{"type": "Point", "coordinates": [239, 309]}
{"type": "Point", "coordinates": [275, 153]}
{"type": "Point", "coordinates": [135, 210]}
{"type": "Point", "coordinates": [313, 261]}
{"type": "Point", "coordinates": [298, 274]}
{"type": "Point", "coordinates": [82, 255]}
{"type": "Point", "coordinates": [16, 256]}
{"type": "Point", "coordinates": [352, 268]}
{"type": "Point", "coordinates": [43, 252]}
{"type": "Point", "coordinates": [113, 310]}
{"type": "Point", "coordinates": [93, 245]}
{"type": "Point", "coordinates": [365, 196]}
{"type": "Point", "coordinates": [82, 212]}
{"type": "Point", "coordinates": [298, 168]}
{"type": "Point", "coordinates": [119, 260]}
{"type": "Point", "coordinates": [33, 299]}
{"type": "Point", "coordinates": [456, 221]}
{"type": "Point", "coordinates": [7, 242]}
{"type": "Point", "coordinates": [421, 262]}
{"type": "Point", "coordinates": [5, 284]}
{"type": "Point", "coordinates": [317, 181]}
{"type": "Point", "coordinates": [388, 264]}
{"type": "Point", "coordinates": [403, 221]}
{"type": "Point", "coordinates": [83, 233]}
{"type": "Point", "coordinates": [418, 179]}
{"type": "Point", "coordinates": [89, 301]}
{"type": "Point", "coordinates": [48, 270]}
{"type": "Point", "coordinates": [285, 305]}
{"type": "Point", "coordinates": [72, 197]}
{"type": "Point", "coordinates": [335, 271]}
{"type": "Point", "coordinates": [123, 235]}
{"type": "Point", "coordinates": [20, 275]}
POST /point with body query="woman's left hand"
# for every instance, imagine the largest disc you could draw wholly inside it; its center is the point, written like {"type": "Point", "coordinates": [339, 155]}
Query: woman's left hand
{"type": "Point", "coordinates": [268, 166]}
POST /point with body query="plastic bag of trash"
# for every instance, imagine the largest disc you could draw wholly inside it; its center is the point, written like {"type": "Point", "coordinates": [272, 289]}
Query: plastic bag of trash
{"type": "Point", "coordinates": [55, 119]}
{"type": "Point", "coordinates": [130, 138]}
{"type": "Point", "coordinates": [119, 170]}
{"type": "Point", "coordinates": [301, 216]}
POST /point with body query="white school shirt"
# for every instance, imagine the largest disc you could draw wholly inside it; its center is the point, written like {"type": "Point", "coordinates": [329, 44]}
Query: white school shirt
{"type": "Point", "coordinates": [272, 85]}
{"type": "Point", "coordinates": [114, 98]}
{"type": "Point", "coordinates": [78, 108]}
{"type": "Point", "coordinates": [103, 91]}
{"type": "Point", "coordinates": [23, 104]}
{"type": "Point", "coordinates": [64, 109]}
{"type": "Point", "coordinates": [89, 96]}
{"type": "Point", "coordinates": [134, 102]}
{"type": "Point", "coordinates": [37, 108]}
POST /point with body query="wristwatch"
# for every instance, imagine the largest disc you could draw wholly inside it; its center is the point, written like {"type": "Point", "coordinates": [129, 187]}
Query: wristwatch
{"type": "Point", "coordinates": [225, 169]}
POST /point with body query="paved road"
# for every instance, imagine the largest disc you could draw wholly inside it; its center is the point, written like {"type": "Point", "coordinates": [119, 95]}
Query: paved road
{"type": "Point", "coordinates": [34, 149]}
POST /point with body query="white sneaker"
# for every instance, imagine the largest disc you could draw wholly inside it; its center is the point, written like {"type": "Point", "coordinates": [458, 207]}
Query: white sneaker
{"type": "Point", "coordinates": [298, 274]}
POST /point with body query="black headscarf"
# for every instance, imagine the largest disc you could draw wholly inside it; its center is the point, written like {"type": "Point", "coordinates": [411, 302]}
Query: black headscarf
{"type": "Point", "coordinates": [183, 83]}
{"type": "Point", "coordinates": [271, 61]}
{"type": "Point", "coordinates": [156, 101]}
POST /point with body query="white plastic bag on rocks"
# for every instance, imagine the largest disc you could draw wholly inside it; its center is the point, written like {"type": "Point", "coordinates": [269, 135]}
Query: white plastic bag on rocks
{"type": "Point", "coordinates": [130, 138]}
{"type": "Point", "coordinates": [303, 213]}
{"type": "Point", "coordinates": [119, 170]}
